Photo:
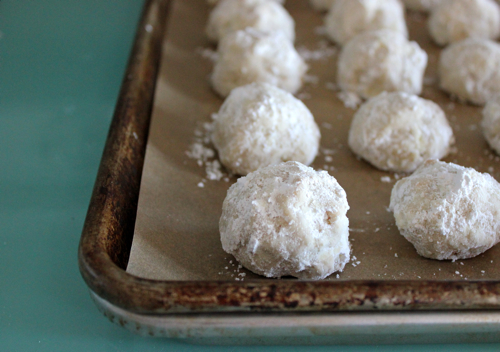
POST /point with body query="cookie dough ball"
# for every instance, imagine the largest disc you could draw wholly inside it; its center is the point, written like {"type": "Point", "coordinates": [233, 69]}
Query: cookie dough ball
{"type": "Point", "coordinates": [321, 5]}
{"type": "Point", "coordinates": [249, 55]}
{"type": "Point", "coordinates": [348, 18]}
{"type": "Point", "coordinates": [491, 123]}
{"type": "Point", "coordinates": [447, 211]}
{"type": "Point", "coordinates": [470, 70]}
{"type": "Point", "coordinates": [260, 125]}
{"type": "Point", "coordinates": [231, 15]}
{"type": "Point", "coordinates": [399, 131]}
{"type": "Point", "coordinates": [287, 219]}
{"type": "Point", "coordinates": [378, 61]}
{"type": "Point", "coordinates": [421, 5]}
{"type": "Point", "coordinates": [455, 20]}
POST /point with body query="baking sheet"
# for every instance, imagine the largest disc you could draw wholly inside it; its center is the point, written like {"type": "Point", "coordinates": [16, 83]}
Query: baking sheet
{"type": "Point", "coordinates": [176, 235]}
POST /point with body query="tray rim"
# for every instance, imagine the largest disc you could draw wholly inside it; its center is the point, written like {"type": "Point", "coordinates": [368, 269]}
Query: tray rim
{"type": "Point", "coordinates": [108, 230]}
{"type": "Point", "coordinates": [313, 328]}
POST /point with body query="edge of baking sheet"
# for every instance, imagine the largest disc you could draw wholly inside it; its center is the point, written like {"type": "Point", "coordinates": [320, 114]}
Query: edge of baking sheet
{"type": "Point", "coordinates": [312, 329]}
{"type": "Point", "coordinates": [108, 230]}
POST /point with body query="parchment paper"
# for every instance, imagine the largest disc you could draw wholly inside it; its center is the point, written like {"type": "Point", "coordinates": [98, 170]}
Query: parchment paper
{"type": "Point", "coordinates": [176, 235]}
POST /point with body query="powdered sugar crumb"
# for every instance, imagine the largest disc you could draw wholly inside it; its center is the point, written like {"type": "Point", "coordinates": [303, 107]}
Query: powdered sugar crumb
{"type": "Point", "coordinates": [310, 79]}
{"type": "Point", "coordinates": [304, 96]}
{"type": "Point", "coordinates": [323, 52]}
{"type": "Point", "coordinates": [204, 154]}
{"type": "Point", "coordinates": [350, 99]}
{"type": "Point", "coordinates": [386, 179]}
{"type": "Point", "coordinates": [207, 53]}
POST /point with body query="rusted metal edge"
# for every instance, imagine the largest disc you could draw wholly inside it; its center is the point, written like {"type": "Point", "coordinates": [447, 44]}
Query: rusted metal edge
{"type": "Point", "coordinates": [108, 231]}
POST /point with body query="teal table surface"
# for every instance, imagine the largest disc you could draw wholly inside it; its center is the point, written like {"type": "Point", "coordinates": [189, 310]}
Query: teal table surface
{"type": "Point", "coordinates": [61, 64]}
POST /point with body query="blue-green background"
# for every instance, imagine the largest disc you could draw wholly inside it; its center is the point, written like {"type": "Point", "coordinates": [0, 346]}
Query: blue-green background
{"type": "Point", "coordinates": [61, 64]}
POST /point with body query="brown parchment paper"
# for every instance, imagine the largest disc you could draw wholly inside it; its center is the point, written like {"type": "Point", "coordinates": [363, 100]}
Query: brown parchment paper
{"type": "Point", "coordinates": [176, 235]}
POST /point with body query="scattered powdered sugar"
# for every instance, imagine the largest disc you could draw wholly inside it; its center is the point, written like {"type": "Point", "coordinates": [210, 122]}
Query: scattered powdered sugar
{"type": "Point", "coordinates": [323, 52]}
{"type": "Point", "coordinates": [233, 271]}
{"type": "Point", "coordinates": [350, 99]}
{"type": "Point", "coordinates": [213, 169]}
{"type": "Point", "coordinates": [386, 179]}
{"type": "Point", "coordinates": [203, 152]}
{"type": "Point", "coordinates": [208, 53]}
{"type": "Point", "coordinates": [304, 96]}
{"type": "Point", "coordinates": [310, 79]}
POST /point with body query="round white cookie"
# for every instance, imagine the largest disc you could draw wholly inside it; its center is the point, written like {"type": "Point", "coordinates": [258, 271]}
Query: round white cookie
{"type": "Point", "coordinates": [287, 219]}
{"type": "Point", "coordinates": [231, 15]}
{"type": "Point", "coordinates": [491, 123]}
{"type": "Point", "coordinates": [260, 125]}
{"type": "Point", "coordinates": [249, 55]}
{"type": "Point", "coordinates": [383, 60]}
{"type": "Point", "coordinates": [348, 18]}
{"type": "Point", "coordinates": [421, 5]}
{"type": "Point", "coordinates": [447, 211]}
{"type": "Point", "coordinates": [399, 131]}
{"type": "Point", "coordinates": [321, 5]}
{"type": "Point", "coordinates": [470, 70]}
{"type": "Point", "coordinates": [455, 20]}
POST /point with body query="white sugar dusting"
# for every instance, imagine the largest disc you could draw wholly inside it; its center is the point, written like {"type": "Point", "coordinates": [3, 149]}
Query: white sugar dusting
{"type": "Point", "coordinates": [350, 99]}
{"type": "Point", "coordinates": [207, 53]}
{"type": "Point", "coordinates": [323, 52]}
{"type": "Point", "coordinates": [202, 151]}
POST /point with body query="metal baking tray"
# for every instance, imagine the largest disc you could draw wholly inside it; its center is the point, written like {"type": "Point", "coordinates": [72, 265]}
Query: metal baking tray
{"type": "Point", "coordinates": [257, 310]}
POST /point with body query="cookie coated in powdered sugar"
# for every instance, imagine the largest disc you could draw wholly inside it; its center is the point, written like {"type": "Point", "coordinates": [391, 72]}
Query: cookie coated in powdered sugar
{"type": "Point", "coordinates": [250, 55]}
{"type": "Point", "coordinates": [399, 131]}
{"type": "Point", "coordinates": [491, 123]}
{"type": "Point", "coordinates": [348, 18]}
{"type": "Point", "coordinates": [469, 69]}
{"type": "Point", "coordinates": [231, 15]}
{"type": "Point", "coordinates": [378, 61]}
{"type": "Point", "coordinates": [287, 219]}
{"type": "Point", "coordinates": [260, 125]}
{"type": "Point", "coordinates": [447, 211]}
{"type": "Point", "coordinates": [455, 20]}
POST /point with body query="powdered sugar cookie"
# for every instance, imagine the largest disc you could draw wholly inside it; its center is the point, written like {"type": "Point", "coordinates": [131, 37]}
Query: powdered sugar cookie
{"type": "Point", "coordinates": [447, 211]}
{"type": "Point", "coordinates": [231, 15]}
{"type": "Point", "coordinates": [455, 20]}
{"type": "Point", "coordinates": [491, 123]}
{"type": "Point", "coordinates": [348, 18]}
{"type": "Point", "coordinates": [470, 70]}
{"type": "Point", "coordinates": [287, 219]}
{"type": "Point", "coordinates": [377, 61]}
{"type": "Point", "coordinates": [249, 55]}
{"type": "Point", "coordinates": [399, 131]}
{"type": "Point", "coordinates": [259, 125]}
